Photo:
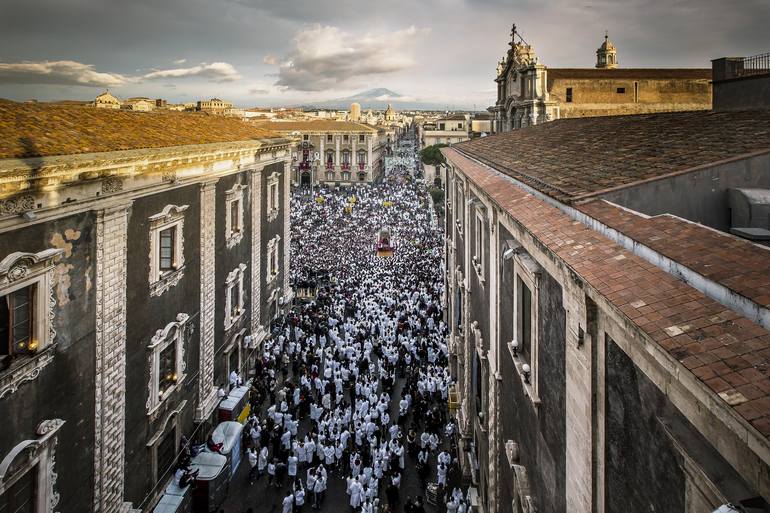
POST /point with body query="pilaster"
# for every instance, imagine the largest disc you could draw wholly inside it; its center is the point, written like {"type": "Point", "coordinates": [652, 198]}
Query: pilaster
{"type": "Point", "coordinates": [207, 391]}
{"type": "Point", "coordinates": [256, 252]}
{"type": "Point", "coordinates": [286, 234]}
{"type": "Point", "coordinates": [493, 430]}
{"type": "Point", "coordinates": [110, 382]}
{"type": "Point", "coordinates": [578, 400]}
{"type": "Point", "coordinates": [337, 146]}
{"type": "Point", "coordinates": [369, 151]}
{"type": "Point", "coordinates": [494, 357]}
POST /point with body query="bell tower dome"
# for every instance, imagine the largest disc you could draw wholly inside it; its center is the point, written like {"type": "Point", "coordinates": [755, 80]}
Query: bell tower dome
{"type": "Point", "coordinates": [607, 54]}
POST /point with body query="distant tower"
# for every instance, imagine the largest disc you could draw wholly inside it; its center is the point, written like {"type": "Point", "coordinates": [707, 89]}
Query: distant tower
{"type": "Point", "coordinates": [607, 54]}
{"type": "Point", "coordinates": [390, 115]}
{"type": "Point", "coordinates": [355, 112]}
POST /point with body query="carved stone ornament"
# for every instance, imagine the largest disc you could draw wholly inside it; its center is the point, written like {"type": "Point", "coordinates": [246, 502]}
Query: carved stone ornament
{"type": "Point", "coordinates": [158, 342]}
{"type": "Point", "coordinates": [18, 272]}
{"type": "Point", "coordinates": [17, 205]}
{"type": "Point", "coordinates": [33, 269]}
{"type": "Point", "coordinates": [512, 452]}
{"type": "Point", "coordinates": [18, 265]}
{"type": "Point", "coordinates": [49, 426]}
{"type": "Point", "coordinates": [39, 456]}
{"type": "Point", "coordinates": [112, 184]}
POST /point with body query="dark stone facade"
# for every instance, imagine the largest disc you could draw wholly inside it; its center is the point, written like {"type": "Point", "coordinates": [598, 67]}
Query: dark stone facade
{"type": "Point", "coordinates": [65, 388]}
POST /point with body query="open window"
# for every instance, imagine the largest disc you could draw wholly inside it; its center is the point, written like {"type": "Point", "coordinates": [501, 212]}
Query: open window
{"type": "Point", "coordinates": [234, 296]}
{"type": "Point", "coordinates": [524, 346]}
{"type": "Point", "coordinates": [166, 248]}
{"type": "Point", "coordinates": [234, 215]}
{"type": "Point", "coordinates": [164, 446]}
{"type": "Point", "coordinates": [26, 316]}
{"type": "Point", "coordinates": [28, 472]}
{"type": "Point", "coordinates": [272, 258]}
{"type": "Point", "coordinates": [273, 196]}
{"type": "Point", "coordinates": [166, 362]}
{"type": "Point", "coordinates": [479, 241]}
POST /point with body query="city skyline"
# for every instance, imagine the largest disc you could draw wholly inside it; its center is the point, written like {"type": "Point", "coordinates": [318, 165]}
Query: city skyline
{"type": "Point", "coordinates": [258, 53]}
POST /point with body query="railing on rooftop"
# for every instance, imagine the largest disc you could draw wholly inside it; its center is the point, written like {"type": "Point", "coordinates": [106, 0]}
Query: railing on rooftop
{"type": "Point", "coordinates": [755, 65]}
{"type": "Point", "coordinates": [738, 67]}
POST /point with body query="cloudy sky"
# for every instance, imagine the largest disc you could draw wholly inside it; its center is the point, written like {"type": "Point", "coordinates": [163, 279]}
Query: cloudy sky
{"type": "Point", "coordinates": [269, 52]}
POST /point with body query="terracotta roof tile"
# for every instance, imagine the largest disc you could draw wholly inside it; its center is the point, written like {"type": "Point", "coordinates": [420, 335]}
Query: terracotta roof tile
{"type": "Point", "coordinates": [319, 125]}
{"type": "Point", "coordinates": [739, 265]}
{"type": "Point", "coordinates": [733, 352]}
{"type": "Point", "coordinates": [570, 158]}
{"type": "Point", "coordinates": [35, 130]}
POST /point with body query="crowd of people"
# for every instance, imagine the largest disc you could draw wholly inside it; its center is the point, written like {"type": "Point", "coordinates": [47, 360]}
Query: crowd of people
{"type": "Point", "coordinates": [352, 385]}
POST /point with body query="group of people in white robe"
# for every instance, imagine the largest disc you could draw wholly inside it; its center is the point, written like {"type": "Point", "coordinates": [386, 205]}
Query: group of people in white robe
{"type": "Point", "coordinates": [353, 382]}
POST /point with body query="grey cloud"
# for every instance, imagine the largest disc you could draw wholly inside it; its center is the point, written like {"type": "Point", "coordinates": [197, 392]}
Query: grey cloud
{"type": "Point", "coordinates": [216, 71]}
{"type": "Point", "coordinates": [257, 91]}
{"type": "Point", "coordinates": [59, 73]}
{"type": "Point", "coordinates": [324, 57]}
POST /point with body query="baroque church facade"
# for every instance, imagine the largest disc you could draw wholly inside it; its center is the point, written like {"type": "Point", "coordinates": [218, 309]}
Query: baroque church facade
{"type": "Point", "coordinates": [530, 93]}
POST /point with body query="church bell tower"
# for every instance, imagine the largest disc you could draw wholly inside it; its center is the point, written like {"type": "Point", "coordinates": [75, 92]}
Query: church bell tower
{"type": "Point", "coordinates": [607, 55]}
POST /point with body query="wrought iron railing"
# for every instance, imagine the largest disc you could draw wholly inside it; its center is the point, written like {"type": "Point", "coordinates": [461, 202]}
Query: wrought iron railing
{"type": "Point", "coordinates": [750, 66]}
{"type": "Point", "coordinates": [754, 65]}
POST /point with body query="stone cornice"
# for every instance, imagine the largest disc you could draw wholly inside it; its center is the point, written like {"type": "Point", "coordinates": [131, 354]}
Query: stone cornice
{"type": "Point", "coordinates": [62, 186]}
{"type": "Point", "coordinates": [50, 173]}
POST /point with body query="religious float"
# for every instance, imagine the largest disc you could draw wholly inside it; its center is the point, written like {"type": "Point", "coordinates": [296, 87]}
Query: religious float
{"type": "Point", "coordinates": [383, 245]}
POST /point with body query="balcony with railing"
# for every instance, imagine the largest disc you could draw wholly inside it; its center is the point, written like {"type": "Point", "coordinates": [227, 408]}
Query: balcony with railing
{"type": "Point", "coordinates": [728, 68]}
{"type": "Point", "coordinates": [741, 83]}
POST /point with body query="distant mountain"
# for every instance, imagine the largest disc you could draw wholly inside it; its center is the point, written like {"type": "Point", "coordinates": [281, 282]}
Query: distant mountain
{"type": "Point", "coordinates": [378, 99]}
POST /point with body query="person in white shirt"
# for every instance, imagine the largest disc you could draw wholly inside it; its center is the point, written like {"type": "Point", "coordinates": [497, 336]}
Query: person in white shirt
{"type": "Point", "coordinates": [288, 502]}
{"type": "Point", "coordinates": [291, 466]}
{"type": "Point", "coordinates": [262, 461]}
{"type": "Point", "coordinates": [299, 496]}
{"type": "Point", "coordinates": [251, 453]}
{"type": "Point", "coordinates": [441, 473]}
{"type": "Point", "coordinates": [235, 379]}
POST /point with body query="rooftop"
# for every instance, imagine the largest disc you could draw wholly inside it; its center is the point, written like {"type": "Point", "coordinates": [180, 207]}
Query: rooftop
{"type": "Point", "coordinates": [317, 125]}
{"type": "Point", "coordinates": [37, 130]}
{"type": "Point", "coordinates": [715, 348]}
{"type": "Point", "coordinates": [641, 73]}
{"type": "Point", "coordinates": [572, 159]}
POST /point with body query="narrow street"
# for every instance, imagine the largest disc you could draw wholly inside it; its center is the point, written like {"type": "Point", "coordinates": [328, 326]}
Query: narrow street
{"type": "Point", "coordinates": [359, 364]}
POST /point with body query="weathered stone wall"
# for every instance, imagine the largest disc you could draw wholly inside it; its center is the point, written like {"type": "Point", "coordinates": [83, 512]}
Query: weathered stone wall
{"type": "Point", "coordinates": [600, 97]}
{"type": "Point", "coordinates": [64, 388]}
{"type": "Point", "coordinates": [643, 471]}
{"type": "Point", "coordinates": [145, 316]}
{"type": "Point", "coordinates": [227, 260]}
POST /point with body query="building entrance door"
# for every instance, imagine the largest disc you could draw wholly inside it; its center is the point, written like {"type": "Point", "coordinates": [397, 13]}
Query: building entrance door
{"type": "Point", "coordinates": [305, 179]}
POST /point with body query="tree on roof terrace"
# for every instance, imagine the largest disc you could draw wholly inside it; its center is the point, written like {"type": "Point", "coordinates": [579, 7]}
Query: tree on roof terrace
{"type": "Point", "coordinates": [432, 156]}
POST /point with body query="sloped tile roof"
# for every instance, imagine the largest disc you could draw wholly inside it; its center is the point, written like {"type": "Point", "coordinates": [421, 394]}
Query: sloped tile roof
{"type": "Point", "coordinates": [735, 263]}
{"type": "Point", "coordinates": [728, 353]}
{"type": "Point", "coordinates": [319, 125]}
{"type": "Point", "coordinates": [35, 130]}
{"type": "Point", "coordinates": [573, 158]}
